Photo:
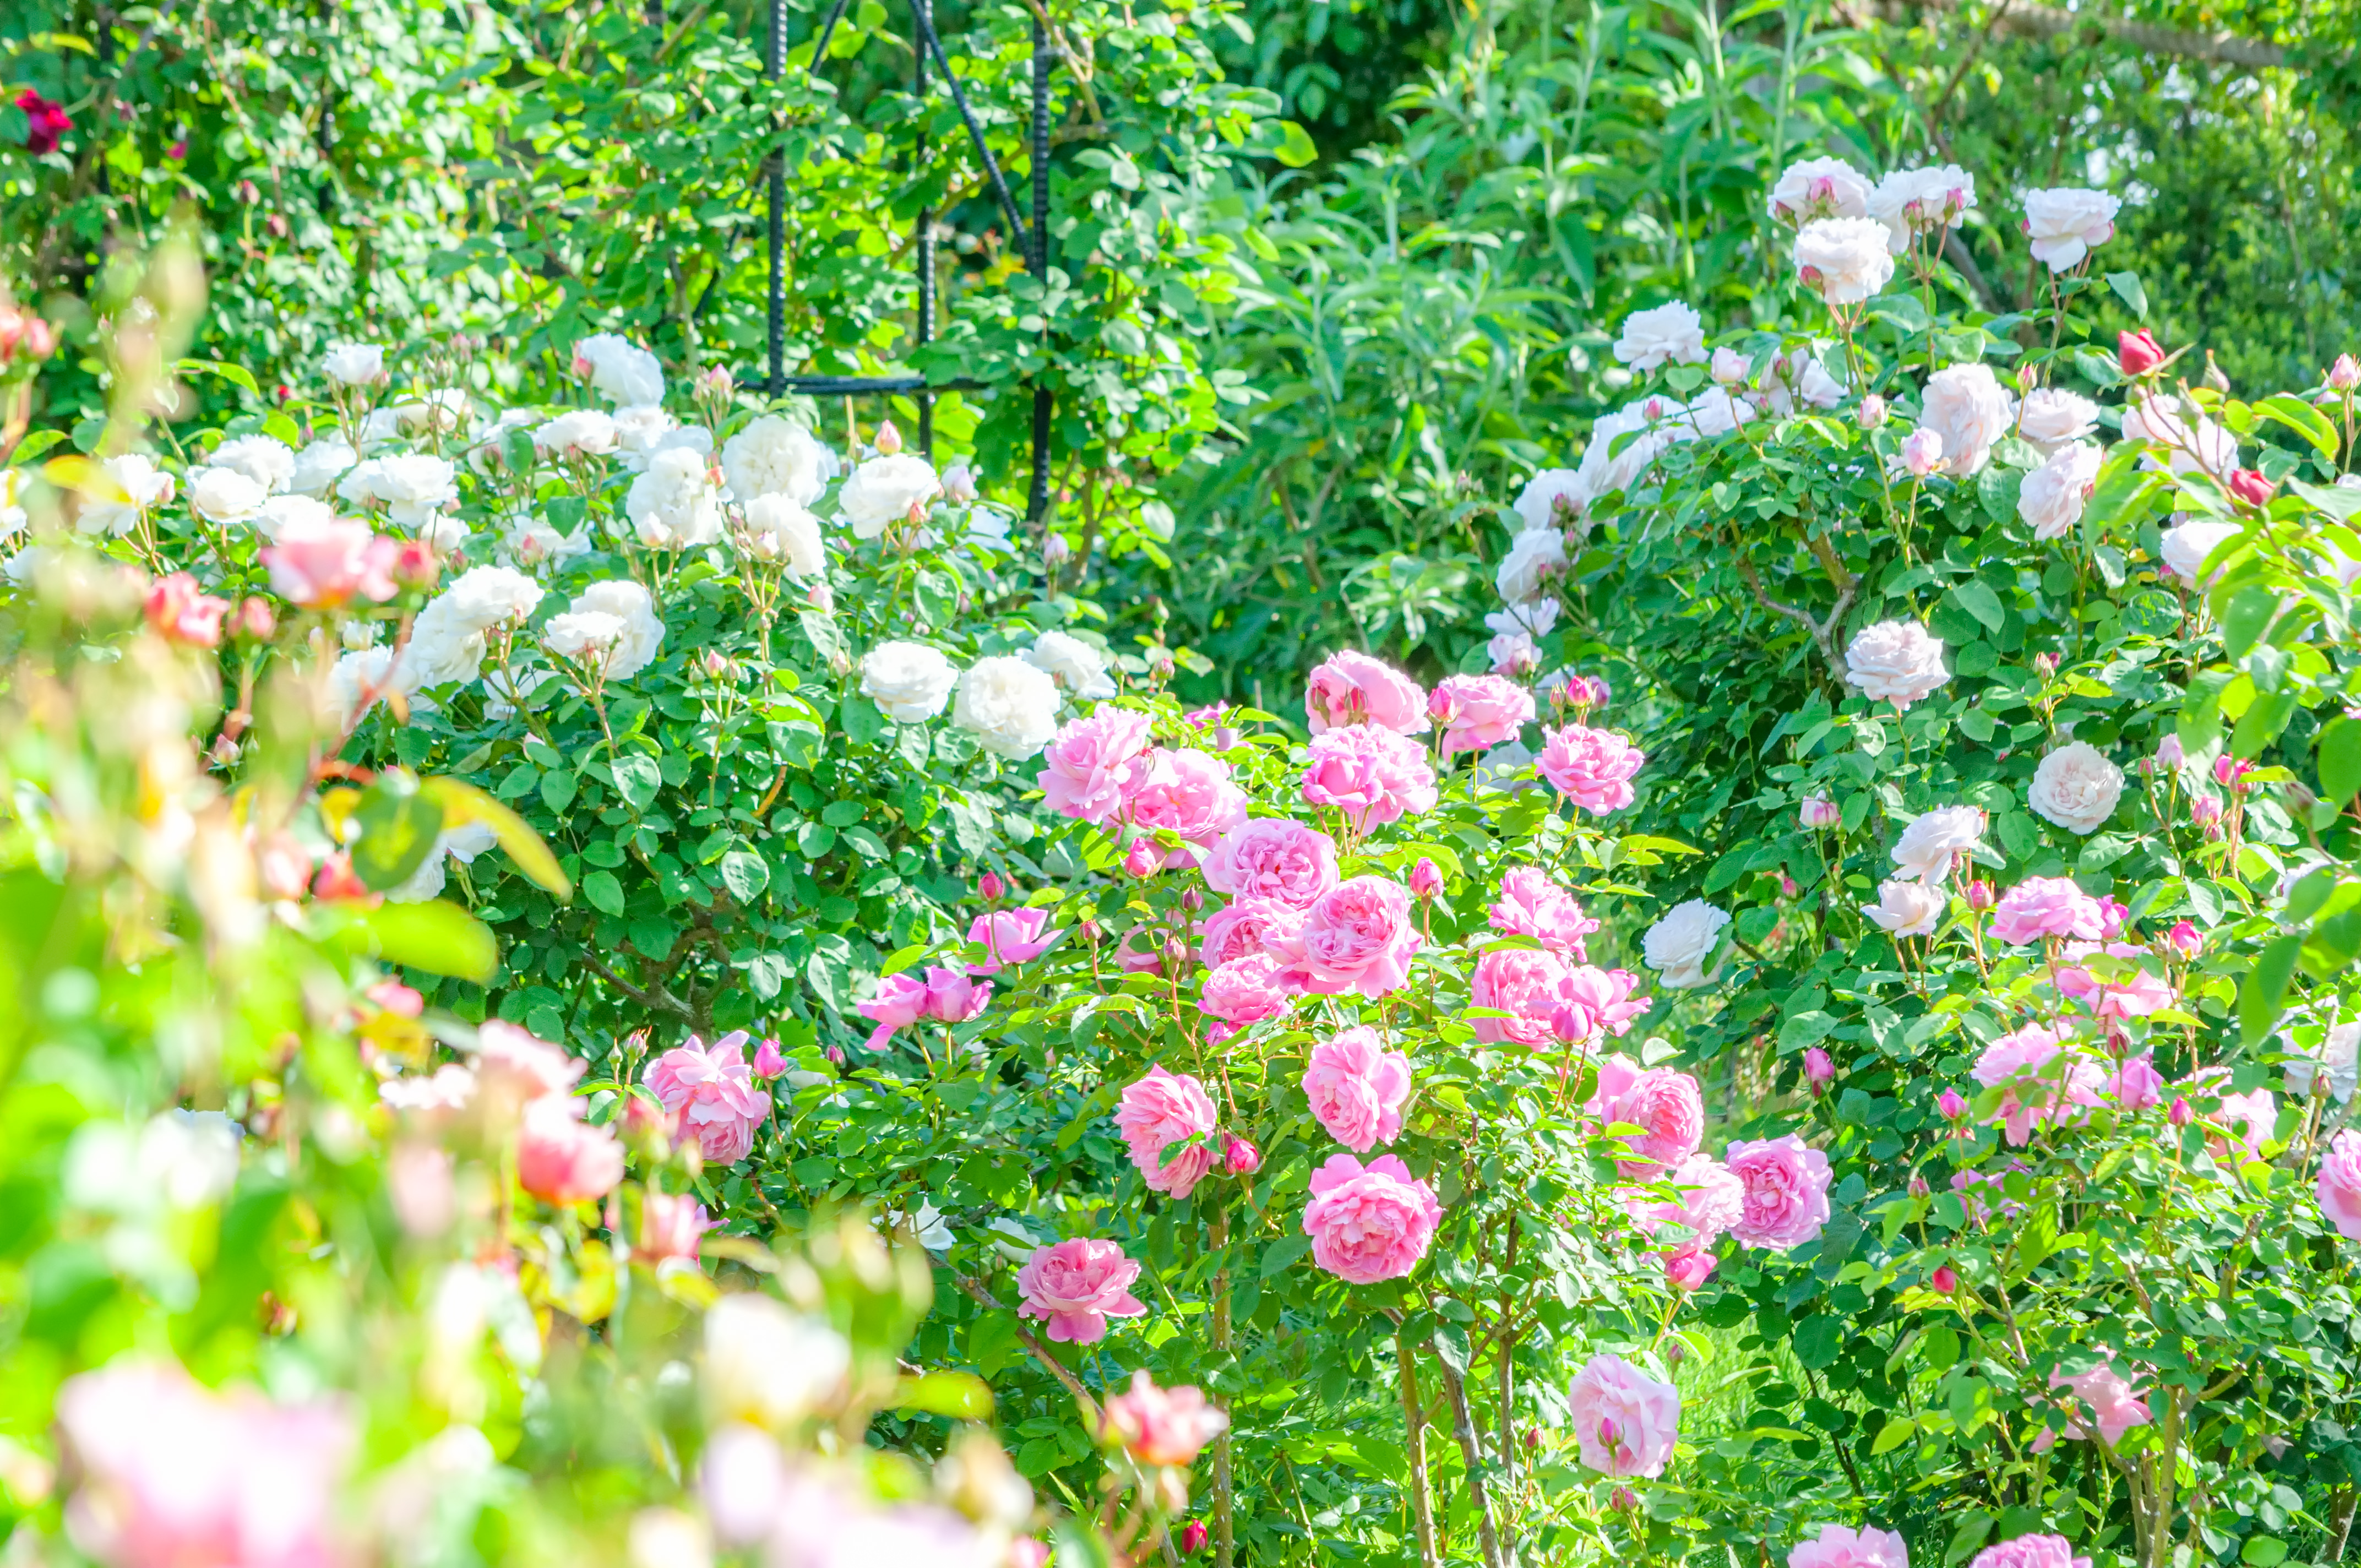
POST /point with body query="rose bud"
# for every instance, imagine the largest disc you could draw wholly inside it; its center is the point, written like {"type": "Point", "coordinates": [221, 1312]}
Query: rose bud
{"type": "Point", "coordinates": [1872, 412]}
{"type": "Point", "coordinates": [1980, 895]}
{"type": "Point", "coordinates": [1818, 1069]}
{"type": "Point", "coordinates": [2180, 1115]}
{"type": "Point", "coordinates": [2249, 486]}
{"type": "Point", "coordinates": [1425, 880]}
{"type": "Point", "coordinates": [2138, 353]}
{"type": "Point", "coordinates": [1952, 1106]}
{"type": "Point", "coordinates": [1943, 1279]}
{"type": "Point", "coordinates": [1192, 1538]}
{"type": "Point", "coordinates": [1143, 859]}
{"type": "Point", "coordinates": [889, 440]}
{"type": "Point", "coordinates": [990, 888]}
{"type": "Point", "coordinates": [1819, 811]}
{"type": "Point", "coordinates": [1240, 1158]}
{"type": "Point", "coordinates": [2344, 375]}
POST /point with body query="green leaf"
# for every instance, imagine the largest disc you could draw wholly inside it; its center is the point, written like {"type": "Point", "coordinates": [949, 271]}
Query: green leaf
{"type": "Point", "coordinates": [2263, 1551]}
{"type": "Point", "coordinates": [1282, 1254]}
{"type": "Point", "coordinates": [237, 374]}
{"type": "Point", "coordinates": [1977, 599]}
{"type": "Point", "coordinates": [433, 935]}
{"type": "Point", "coordinates": [558, 788]}
{"type": "Point", "coordinates": [1296, 147]}
{"type": "Point", "coordinates": [2127, 289]}
{"type": "Point", "coordinates": [637, 779]}
{"type": "Point", "coordinates": [603, 892]}
{"type": "Point", "coordinates": [463, 803]}
{"type": "Point", "coordinates": [1893, 1435]}
{"type": "Point", "coordinates": [815, 839]}
{"type": "Point", "coordinates": [745, 874]}
{"type": "Point", "coordinates": [2340, 760]}
{"type": "Point", "coordinates": [398, 827]}
{"type": "Point", "coordinates": [2265, 989]}
{"type": "Point", "coordinates": [2246, 618]}
{"type": "Point", "coordinates": [963, 1395]}
{"type": "Point", "coordinates": [2302, 418]}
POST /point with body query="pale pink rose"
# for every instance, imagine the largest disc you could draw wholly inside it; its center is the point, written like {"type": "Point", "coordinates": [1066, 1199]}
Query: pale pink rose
{"type": "Point", "coordinates": [1593, 768]}
{"type": "Point", "coordinates": [1625, 1421]}
{"type": "Point", "coordinates": [1787, 1191]}
{"type": "Point", "coordinates": [2047, 1081]}
{"type": "Point", "coordinates": [1687, 1265]}
{"type": "Point", "coordinates": [169, 1473]}
{"type": "Point", "coordinates": [1352, 688]}
{"type": "Point", "coordinates": [1159, 1111]}
{"type": "Point", "coordinates": [1708, 1200]}
{"type": "Point", "coordinates": [900, 1001]}
{"type": "Point", "coordinates": [1531, 904]}
{"type": "Point", "coordinates": [1479, 712]}
{"type": "Point", "coordinates": [1663, 1103]}
{"type": "Point", "coordinates": [2135, 995]}
{"type": "Point", "coordinates": [1188, 793]}
{"type": "Point", "coordinates": [1010, 937]}
{"type": "Point", "coordinates": [1272, 857]}
{"type": "Point", "coordinates": [2339, 1184]}
{"type": "Point", "coordinates": [324, 563]}
{"type": "Point", "coordinates": [2047, 906]}
{"type": "Point", "coordinates": [1598, 1002]}
{"type": "Point", "coordinates": [562, 1159]}
{"type": "Point", "coordinates": [953, 997]}
{"type": "Point", "coordinates": [513, 1068]}
{"type": "Point", "coordinates": [1838, 1546]}
{"type": "Point", "coordinates": [2029, 1552]}
{"type": "Point", "coordinates": [2253, 1116]}
{"type": "Point", "coordinates": [1358, 1087]}
{"type": "Point", "coordinates": [1357, 936]}
{"type": "Point", "coordinates": [1369, 1222]}
{"type": "Point", "coordinates": [2116, 1406]}
{"type": "Point", "coordinates": [1076, 1286]}
{"type": "Point", "coordinates": [711, 1093]}
{"type": "Point", "coordinates": [1162, 1426]}
{"type": "Point", "coordinates": [1373, 776]}
{"type": "Point", "coordinates": [420, 1180]}
{"type": "Point", "coordinates": [669, 1226]}
{"type": "Point", "coordinates": [1246, 927]}
{"type": "Point", "coordinates": [1094, 764]}
{"type": "Point", "coordinates": [1529, 984]}
{"type": "Point", "coordinates": [1247, 990]}
{"type": "Point", "coordinates": [2136, 1085]}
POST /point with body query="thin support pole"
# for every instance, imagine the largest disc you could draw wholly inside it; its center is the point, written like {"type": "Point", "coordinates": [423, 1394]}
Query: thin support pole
{"type": "Point", "coordinates": [926, 246]}
{"type": "Point", "coordinates": [975, 132]}
{"type": "Point", "coordinates": [1036, 503]}
{"type": "Point", "coordinates": [774, 68]}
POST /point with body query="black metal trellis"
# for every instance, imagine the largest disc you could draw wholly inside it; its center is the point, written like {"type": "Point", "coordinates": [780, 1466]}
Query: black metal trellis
{"type": "Point", "coordinates": [1034, 238]}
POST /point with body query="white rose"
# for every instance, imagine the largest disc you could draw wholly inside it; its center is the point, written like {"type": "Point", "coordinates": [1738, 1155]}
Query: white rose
{"type": "Point", "coordinates": [143, 486]}
{"type": "Point", "coordinates": [2187, 546]}
{"type": "Point", "coordinates": [2205, 447]}
{"type": "Point", "coordinates": [1668, 334]}
{"type": "Point", "coordinates": [1911, 202]}
{"type": "Point", "coordinates": [1712, 412]}
{"type": "Point", "coordinates": [354, 364]}
{"type": "Point", "coordinates": [1677, 946]}
{"type": "Point", "coordinates": [267, 460]}
{"type": "Point", "coordinates": [639, 427]}
{"type": "Point", "coordinates": [1608, 466]}
{"type": "Point", "coordinates": [446, 644]}
{"type": "Point", "coordinates": [622, 372]}
{"type": "Point", "coordinates": [773, 455]}
{"type": "Point", "coordinates": [2065, 224]}
{"type": "Point", "coordinates": [583, 432]}
{"type": "Point", "coordinates": [586, 636]}
{"type": "Point", "coordinates": [319, 464]}
{"type": "Point", "coordinates": [1010, 706]}
{"type": "Point", "coordinates": [1538, 503]}
{"type": "Point", "coordinates": [483, 597]}
{"type": "Point", "coordinates": [462, 844]}
{"type": "Point", "coordinates": [1896, 661]}
{"type": "Point", "coordinates": [1534, 617]}
{"type": "Point", "coordinates": [779, 529]}
{"type": "Point", "coordinates": [1845, 260]}
{"type": "Point", "coordinates": [882, 491]}
{"type": "Point", "coordinates": [909, 681]}
{"type": "Point", "coordinates": [2053, 416]}
{"type": "Point", "coordinates": [1819, 187]}
{"type": "Point", "coordinates": [1934, 839]}
{"type": "Point", "coordinates": [2075, 787]}
{"type": "Point", "coordinates": [1534, 557]}
{"type": "Point", "coordinates": [368, 672]}
{"type": "Point", "coordinates": [1513, 653]}
{"type": "Point", "coordinates": [2050, 498]}
{"type": "Point", "coordinates": [768, 1366]}
{"type": "Point", "coordinates": [1797, 377]}
{"type": "Point", "coordinates": [1072, 663]}
{"type": "Point", "coordinates": [644, 630]}
{"type": "Point", "coordinates": [1968, 407]}
{"type": "Point", "coordinates": [224, 494]}
{"type": "Point", "coordinates": [279, 510]}
{"type": "Point", "coordinates": [411, 486]}
{"type": "Point", "coordinates": [488, 448]}
{"type": "Point", "coordinates": [1908, 908]}
{"type": "Point", "coordinates": [674, 505]}
{"type": "Point", "coordinates": [530, 541]}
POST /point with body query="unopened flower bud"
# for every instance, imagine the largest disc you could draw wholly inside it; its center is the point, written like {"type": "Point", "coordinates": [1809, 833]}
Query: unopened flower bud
{"type": "Point", "coordinates": [1819, 1070]}
{"type": "Point", "coordinates": [1089, 931]}
{"type": "Point", "coordinates": [990, 888]}
{"type": "Point", "coordinates": [1176, 955]}
{"type": "Point", "coordinates": [768, 1063]}
{"type": "Point", "coordinates": [716, 382]}
{"type": "Point", "coordinates": [2138, 353]}
{"type": "Point", "coordinates": [1191, 900]}
{"type": "Point", "coordinates": [889, 440]}
{"type": "Point", "coordinates": [1532, 1439]}
{"type": "Point", "coordinates": [1949, 1103]}
{"type": "Point", "coordinates": [1922, 452]}
{"type": "Point", "coordinates": [718, 665]}
{"type": "Point", "coordinates": [1980, 895]}
{"type": "Point", "coordinates": [1786, 885]}
{"type": "Point", "coordinates": [1943, 1278]}
{"type": "Point", "coordinates": [959, 483]}
{"type": "Point", "coordinates": [1425, 880]}
{"type": "Point", "coordinates": [1240, 1158]}
{"type": "Point", "coordinates": [256, 622]}
{"type": "Point", "coordinates": [1143, 859]}
{"type": "Point", "coordinates": [2249, 486]}
{"type": "Point", "coordinates": [1192, 1538]}
{"type": "Point", "coordinates": [2180, 1115]}
{"type": "Point", "coordinates": [2184, 940]}
{"type": "Point", "coordinates": [2344, 375]}
{"type": "Point", "coordinates": [1819, 811]}
{"type": "Point", "coordinates": [2045, 665]}
{"type": "Point", "coordinates": [415, 564]}
{"type": "Point", "coordinates": [1872, 412]}
{"type": "Point", "coordinates": [1055, 551]}
{"type": "Point", "coordinates": [818, 598]}
{"type": "Point", "coordinates": [1918, 1188]}
{"type": "Point", "coordinates": [1624, 1500]}
{"type": "Point", "coordinates": [1729, 367]}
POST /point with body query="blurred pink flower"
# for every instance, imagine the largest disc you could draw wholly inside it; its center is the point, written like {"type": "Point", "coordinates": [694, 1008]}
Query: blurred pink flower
{"type": "Point", "coordinates": [326, 563]}
{"type": "Point", "coordinates": [1593, 768]}
{"type": "Point", "coordinates": [711, 1093]}
{"type": "Point", "coordinates": [1351, 688]}
{"type": "Point", "coordinates": [1708, 1200]}
{"type": "Point", "coordinates": [1010, 937]}
{"type": "Point", "coordinates": [1272, 857]}
{"type": "Point", "coordinates": [1188, 793]}
{"type": "Point", "coordinates": [1479, 712]}
{"type": "Point", "coordinates": [181, 611]}
{"type": "Point", "coordinates": [1369, 1222]}
{"type": "Point", "coordinates": [1533, 904]}
{"type": "Point", "coordinates": [2338, 1187]}
{"type": "Point", "coordinates": [1159, 1111]}
{"type": "Point", "coordinates": [2116, 1406]}
{"type": "Point", "coordinates": [1839, 1546]}
{"type": "Point", "coordinates": [561, 1158]}
{"type": "Point", "coordinates": [2047, 906]}
{"type": "Point", "coordinates": [1095, 764]}
{"type": "Point", "coordinates": [1786, 1184]}
{"type": "Point", "coordinates": [512, 1067]}
{"type": "Point", "coordinates": [1357, 938]}
{"type": "Point", "coordinates": [1076, 1286]}
{"type": "Point", "coordinates": [670, 1225]}
{"type": "Point", "coordinates": [1625, 1421]}
{"type": "Point", "coordinates": [2029, 1552]}
{"type": "Point", "coordinates": [1373, 776]}
{"type": "Point", "coordinates": [2135, 994]}
{"type": "Point", "coordinates": [1162, 1426]}
{"type": "Point", "coordinates": [1358, 1087]}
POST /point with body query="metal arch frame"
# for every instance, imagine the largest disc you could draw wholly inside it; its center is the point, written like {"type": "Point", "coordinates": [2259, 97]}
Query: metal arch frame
{"type": "Point", "coordinates": [1034, 238]}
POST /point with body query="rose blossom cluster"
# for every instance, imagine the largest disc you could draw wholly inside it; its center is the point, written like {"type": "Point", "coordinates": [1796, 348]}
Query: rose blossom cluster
{"type": "Point", "coordinates": [1103, 770]}
{"type": "Point", "coordinates": [521, 1088]}
{"type": "Point", "coordinates": [710, 1094]}
{"type": "Point", "coordinates": [950, 996]}
{"type": "Point", "coordinates": [1532, 996]}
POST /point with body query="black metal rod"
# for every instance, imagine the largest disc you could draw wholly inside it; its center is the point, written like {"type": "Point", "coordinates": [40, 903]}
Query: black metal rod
{"type": "Point", "coordinates": [866, 385]}
{"type": "Point", "coordinates": [1037, 499]}
{"type": "Point", "coordinates": [827, 31]}
{"type": "Point", "coordinates": [926, 236]}
{"type": "Point", "coordinates": [976, 133]}
{"type": "Point", "coordinates": [775, 67]}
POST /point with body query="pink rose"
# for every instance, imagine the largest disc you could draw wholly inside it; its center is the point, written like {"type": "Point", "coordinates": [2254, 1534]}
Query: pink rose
{"type": "Point", "coordinates": [1159, 1111]}
{"type": "Point", "coordinates": [1247, 990]}
{"type": "Point", "coordinates": [325, 563]}
{"type": "Point", "coordinates": [1838, 1546]}
{"type": "Point", "coordinates": [669, 1226]}
{"type": "Point", "coordinates": [1369, 1222]}
{"type": "Point", "coordinates": [1527, 984]}
{"type": "Point", "coordinates": [181, 611]}
{"type": "Point", "coordinates": [1094, 764]}
{"type": "Point", "coordinates": [1593, 768]}
{"type": "Point", "coordinates": [1709, 1201]}
{"type": "Point", "coordinates": [953, 997]}
{"type": "Point", "coordinates": [2137, 1085]}
{"type": "Point", "coordinates": [512, 1067]}
{"type": "Point", "coordinates": [1357, 936]}
{"type": "Point", "coordinates": [2339, 1187]}
{"type": "Point", "coordinates": [2184, 940]}
{"type": "Point", "coordinates": [2045, 1080]}
{"type": "Point", "coordinates": [1247, 927]}
{"type": "Point", "coordinates": [1663, 1103]}
{"type": "Point", "coordinates": [2115, 1404]}
{"type": "Point", "coordinates": [1625, 1421]}
{"type": "Point", "coordinates": [1190, 795]}
{"type": "Point", "coordinates": [711, 1093]}
{"type": "Point", "coordinates": [1077, 1285]}
{"type": "Point", "coordinates": [1479, 712]}
{"type": "Point", "coordinates": [1274, 858]}
{"type": "Point", "coordinates": [2047, 906]}
{"type": "Point", "coordinates": [1162, 1426]}
{"type": "Point", "coordinates": [2029, 1552]}
{"type": "Point", "coordinates": [1358, 1087]}
{"type": "Point", "coordinates": [562, 1159]}
{"type": "Point", "coordinates": [1532, 904]}
{"type": "Point", "coordinates": [900, 1001]}
{"type": "Point", "coordinates": [1687, 1265]}
{"type": "Point", "coordinates": [1786, 1187]}
{"type": "Point", "coordinates": [1010, 937]}
{"type": "Point", "coordinates": [1352, 688]}
{"type": "Point", "coordinates": [1374, 776]}
{"type": "Point", "coordinates": [2255, 1115]}
{"type": "Point", "coordinates": [1598, 1002]}
{"type": "Point", "coordinates": [2136, 994]}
